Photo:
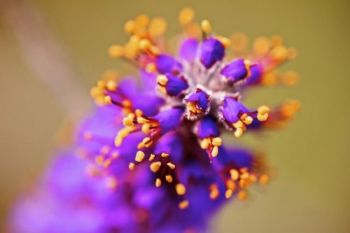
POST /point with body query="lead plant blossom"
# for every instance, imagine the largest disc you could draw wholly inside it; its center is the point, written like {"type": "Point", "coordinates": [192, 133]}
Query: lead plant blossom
{"type": "Point", "coordinates": [153, 156]}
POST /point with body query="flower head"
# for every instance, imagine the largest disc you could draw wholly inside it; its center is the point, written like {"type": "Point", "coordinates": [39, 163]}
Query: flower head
{"type": "Point", "coordinates": [159, 141]}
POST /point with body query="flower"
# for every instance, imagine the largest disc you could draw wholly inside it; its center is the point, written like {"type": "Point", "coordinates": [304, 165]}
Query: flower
{"type": "Point", "coordinates": [156, 144]}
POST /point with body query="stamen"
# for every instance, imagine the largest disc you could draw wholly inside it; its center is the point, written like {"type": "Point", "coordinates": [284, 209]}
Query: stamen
{"type": "Point", "coordinates": [116, 51]}
{"type": "Point", "coordinates": [130, 26]}
{"type": "Point", "coordinates": [186, 16]}
{"type": "Point", "coordinates": [158, 183]}
{"type": "Point", "coordinates": [162, 80]}
{"type": "Point", "coordinates": [263, 179]}
{"type": "Point", "coordinates": [184, 204]}
{"type": "Point", "coordinates": [169, 178]}
{"type": "Point", "coordinates": [225, 41]}
{"type": "Point", "coordinates": [180, 189]}
{"type": "Point", "coordinates": [171, 165]}
{"type": "Point", "coordinates": [263, 113]}
{"type": "Point", "coordinates": [206, 26]}
{"type": "Point", "coordinates": [234, 174]}
{"type": "Point", "coordinates": [242, 195]}
{"type": "Point", "coordinates": [122, 134]}
{"type": "Point", "coordinates": [128, 121]}
{"type": "Point", "coordinates": [131, 166]}
{"type": "Point", "coordinates": [151, 157]}
{"type": "Point", "coordinates": [214, 191]}
{"type": "Point", "coordinates": [140, 155]}
{"type": "Point", "coordinates": [157, 27]}
{"type": "Point", "coordinates": [246, 119]}
{"type": "Point", "coordinates": [155, 166]}
{"type": "Point", "coordinates": [146, 142]}
{"type": "Point", "coordinates": [228, 193]}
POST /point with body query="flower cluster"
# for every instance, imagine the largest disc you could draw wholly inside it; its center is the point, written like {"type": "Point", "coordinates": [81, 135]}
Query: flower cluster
{"type": "Point", "coordinates": [157, 144]}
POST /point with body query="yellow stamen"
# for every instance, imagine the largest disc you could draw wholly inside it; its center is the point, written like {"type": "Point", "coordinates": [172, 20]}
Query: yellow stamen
{"type": "Point", "coordinates": [215, 151]}
{"type": "Point", "coordinates": [180, 189]}
{"type": "Point", "coordinates": [239, 42]}
{"type": "Point", "coordinates": [238, 132]}
{"type": "Point", "coordinates": [111, 85]}
{"type": "Point", "coordinates": [217, 141]}
{"type": "Point", "coordinates": [228, 193]}
{"type": "Point", "coordinates": [234, 174]}
{"type": "Point", "coordinates": [107, 100]}
{"type": "Point", "coordinates": [129, 120]}
{"type": "Point", "coordinates": [129, 26]}
{"type": "Point", "coordinates": [171, 165]}
{"type": "Point", "coordinates": [162, 80]}
{"type": "Point", "coordinates": [169, 178]}
{"type": "Point", "coordinates": [246, 119]}
{"type": "Point", "coordinates": [186, 15]}
{"type": "Point", "coordinates": [115, 51]}
{"type": "Point", "coordinates": [214, 192]}
{"type": "Point", "coordinates": [264, 179]}
{"type": "Point", "coordinates": [131, 166]}
{"type": "Point", "coordinates": [151, 157]}
{"type": "Point", "coordinates": [146, 128]}
{"type": "Point", "coordinates": [145, 45]}
{"type": "Point", "coordinates": [142, 20]}
{"type": "Point", "coordinates": [206, 26]}
{"type": "Point", "coordinates": [205, 143]}
{"type": "Point", "coordinates": [280, 53]}
{"type": "Point", "coordinates": [290, 78]}
{"type": "Point", "coordinates": [151, 67]}
{"type": "Point", "coordinates": [140, 155]}
{"type": "Point", "coordinates": [231, 185]}
{"type": "Point", "coordinates": [263, 113]}
{"type": "Point", "coordinates": [157, 27]}
{"type": "Point", "coordinates": [122, 134]}
{"type": "Point", "coordinates": [155, 166]}
{"type": "Point", "coordinates": [242, 195]}
{"type": "Point", "coordinates": [225, 41]}
{"type": "Point", "coordinates": [158, 183]}
{"type": "Point", "coordinates": [261, 46]}
{"type": "Point", "coordinates": [184, 204]}
{"type": "Point", "coordinates": [146, 142]}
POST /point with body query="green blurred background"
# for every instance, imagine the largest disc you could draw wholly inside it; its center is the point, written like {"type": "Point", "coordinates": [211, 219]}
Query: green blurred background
{"type": "Point", "coordinates": [311, 192]}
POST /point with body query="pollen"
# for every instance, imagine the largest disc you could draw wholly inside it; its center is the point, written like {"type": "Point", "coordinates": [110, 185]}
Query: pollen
{"type": "Point", "coordinates": [186, 15]}
{"type": "Point", "coordinates": [158, 183]}
{"type": "Point", "coordinates": [180, 189]}
{"type": "Point", "coordinates": [214, 192]}
{"type": "Point", "coordinates": [184, 204]}
{"type": "Point", "coordinates": [155, 166]}
{"type": "Point", "coordinates": [263, 113]}
{"type": "Point", "coordinates": [140, 155]}
{"type": "Point", "coordinates": [206, 26]}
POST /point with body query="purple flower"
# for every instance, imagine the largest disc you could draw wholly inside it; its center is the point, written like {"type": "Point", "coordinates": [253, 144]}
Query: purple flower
{"type": "Point", "coordinates": [151, 155]}
{"type": "Point", "coordinates": [236, 70]}
{"type": "Point", "coordinates": [212, 51]}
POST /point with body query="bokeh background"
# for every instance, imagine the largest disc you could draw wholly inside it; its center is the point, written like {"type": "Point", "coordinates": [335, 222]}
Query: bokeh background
{"type": "Point", "coordinates": [311, 192]}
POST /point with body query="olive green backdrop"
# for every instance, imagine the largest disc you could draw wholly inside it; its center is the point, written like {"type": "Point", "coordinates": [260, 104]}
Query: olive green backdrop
{"type": "Point", "coordinates": [311, 192]}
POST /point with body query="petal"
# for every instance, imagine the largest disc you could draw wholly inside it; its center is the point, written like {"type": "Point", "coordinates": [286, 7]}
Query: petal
{"type": "Point", "coordinates": [207, 127]}
{"type": "Point", "coordinates": [167, 64]}
{"type": "Point", "coordinates": [212, 51]}
{"type": "Point", "coordinates": [188, 49]}
{"type": "Point", "coordinates": [235, 71]}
